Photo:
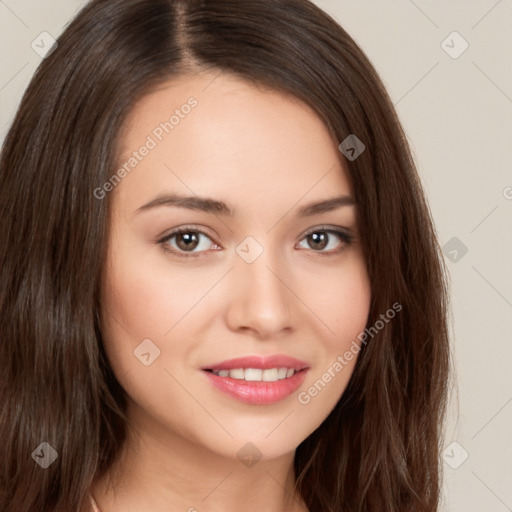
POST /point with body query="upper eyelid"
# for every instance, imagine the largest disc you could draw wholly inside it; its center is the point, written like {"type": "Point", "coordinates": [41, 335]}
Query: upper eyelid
{"type": "Point", "coordinates": [185, 229]}
{"type": "Point", "coordinates": [327, 228]}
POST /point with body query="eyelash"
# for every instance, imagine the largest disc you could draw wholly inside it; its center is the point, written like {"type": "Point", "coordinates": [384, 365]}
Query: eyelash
{"type": "Point", "coordinates": [346, 239]}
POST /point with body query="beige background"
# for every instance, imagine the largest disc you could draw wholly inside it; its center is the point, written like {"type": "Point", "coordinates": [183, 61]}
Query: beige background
{"type": "Point", "coordinates": [457, 113]}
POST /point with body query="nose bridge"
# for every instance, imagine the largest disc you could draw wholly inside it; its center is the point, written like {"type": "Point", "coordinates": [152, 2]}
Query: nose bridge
{"type": "Point", "coordinates": [259, 268]}
{"type": "Point", "coordinates": [261, 299]}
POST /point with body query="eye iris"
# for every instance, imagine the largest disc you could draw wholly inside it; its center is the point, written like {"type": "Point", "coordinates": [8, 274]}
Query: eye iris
{"type": "Point", "coordinates": [190, 240]}
{"type": "Point", "coordinates": [318, 238]}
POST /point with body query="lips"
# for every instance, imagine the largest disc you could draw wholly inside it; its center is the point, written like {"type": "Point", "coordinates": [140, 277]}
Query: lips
{"type": "Point", "coordinates": [252, 390]}
{"type": "Point", "coordinates": [261, 362]}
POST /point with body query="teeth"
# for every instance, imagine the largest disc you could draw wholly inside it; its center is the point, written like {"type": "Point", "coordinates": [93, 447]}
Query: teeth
{"type": "Point", "coordinates": [236, 374]}
{"type": "Point", "coordinates": [256, 374]}
{"type": "Point", "coordinates": [270, 375]}
{"type": "Point", "coordinates": [253, 374]}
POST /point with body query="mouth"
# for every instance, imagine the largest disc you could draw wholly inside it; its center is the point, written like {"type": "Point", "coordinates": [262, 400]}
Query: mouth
{"type": "Point", "coordinates": [258, 380]}
{"type": "Point", "coordinates": [257, 374]}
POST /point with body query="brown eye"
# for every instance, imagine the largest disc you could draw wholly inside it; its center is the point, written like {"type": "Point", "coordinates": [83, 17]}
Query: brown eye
{"type": "Point", "coordinates": [318, 240]}
{"type": "Point", "coordinates": [184, 242]}
{"type": "Point", "coordinates": [321, 238]}
{"type": "Point", "coordinates": [187, 241]}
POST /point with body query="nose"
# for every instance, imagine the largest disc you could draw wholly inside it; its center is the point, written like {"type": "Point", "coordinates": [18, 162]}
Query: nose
{"type": "Point", "coordinates": [260, 298]}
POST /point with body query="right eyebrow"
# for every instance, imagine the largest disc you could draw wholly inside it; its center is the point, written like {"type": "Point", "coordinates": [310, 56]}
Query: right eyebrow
{"type": "Point", "coordinates": [203, 204]}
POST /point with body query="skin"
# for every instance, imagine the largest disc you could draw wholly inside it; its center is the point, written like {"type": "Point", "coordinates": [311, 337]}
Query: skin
{"type": "Point", "coordinates": [265, 154]}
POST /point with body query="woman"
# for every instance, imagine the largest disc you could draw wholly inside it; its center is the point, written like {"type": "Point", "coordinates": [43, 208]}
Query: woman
{"type": "Point", "coordinates": [221, 283]}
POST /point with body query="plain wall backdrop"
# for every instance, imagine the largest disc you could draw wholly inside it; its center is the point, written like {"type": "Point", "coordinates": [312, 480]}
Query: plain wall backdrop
{"type": "Point", "coordinates": [447, 67]}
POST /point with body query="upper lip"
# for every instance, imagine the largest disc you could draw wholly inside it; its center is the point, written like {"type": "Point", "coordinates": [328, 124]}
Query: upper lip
{"type": "Point", "coordinates": [262, 362]}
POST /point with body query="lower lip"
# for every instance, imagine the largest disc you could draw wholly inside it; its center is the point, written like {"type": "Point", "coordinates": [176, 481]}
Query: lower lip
{"type": "Point", "coordinates": [258, 392]}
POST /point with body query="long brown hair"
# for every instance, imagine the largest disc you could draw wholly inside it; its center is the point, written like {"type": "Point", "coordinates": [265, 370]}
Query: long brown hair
{"type": "Point", "coordinates": [379, 448]}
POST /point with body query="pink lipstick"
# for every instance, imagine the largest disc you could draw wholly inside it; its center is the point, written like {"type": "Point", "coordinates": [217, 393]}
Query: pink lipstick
{"type": "Point", "coordinates": [258, 380]}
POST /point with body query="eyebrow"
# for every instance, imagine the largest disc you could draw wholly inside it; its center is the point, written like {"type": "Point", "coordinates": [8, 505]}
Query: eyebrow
{"type": "Point", "coordinates": [208, 205]}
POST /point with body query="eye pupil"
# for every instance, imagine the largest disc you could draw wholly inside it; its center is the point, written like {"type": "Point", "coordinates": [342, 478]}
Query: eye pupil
{"type": "Point", "coordinates": [190, 240]}
{"type": "Point", "coordinates": [319, 239]}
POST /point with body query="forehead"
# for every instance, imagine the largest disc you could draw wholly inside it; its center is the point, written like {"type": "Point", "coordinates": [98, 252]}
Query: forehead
{"type": "Point", "coordinates": [218, 135]}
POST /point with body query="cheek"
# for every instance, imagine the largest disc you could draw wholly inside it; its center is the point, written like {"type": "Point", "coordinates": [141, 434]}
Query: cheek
{"type": "Point", "coordinates": [339, 299]}
{"type": "Point", "coordinates": [139, 304]}
{"type": "Point", "coordinates": [353, 305]}
{"type": "Point", "coordinates": [146, 297]}
{"type": "Point", "coordinates": [143, 302]}
{"type": "Point", "coordinates": [341, 306]}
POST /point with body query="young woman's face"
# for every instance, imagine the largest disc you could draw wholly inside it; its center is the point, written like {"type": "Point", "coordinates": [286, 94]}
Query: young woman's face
{"type": "Point", "coordinates": [262, 281]}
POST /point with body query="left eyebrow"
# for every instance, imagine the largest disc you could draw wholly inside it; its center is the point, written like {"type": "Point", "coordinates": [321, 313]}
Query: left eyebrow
{"type": "Point", "coordinates": [326, 206]}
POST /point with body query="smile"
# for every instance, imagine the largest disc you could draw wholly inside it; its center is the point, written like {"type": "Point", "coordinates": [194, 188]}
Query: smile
{"type": "Point", "coordinates": [256, 374]}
